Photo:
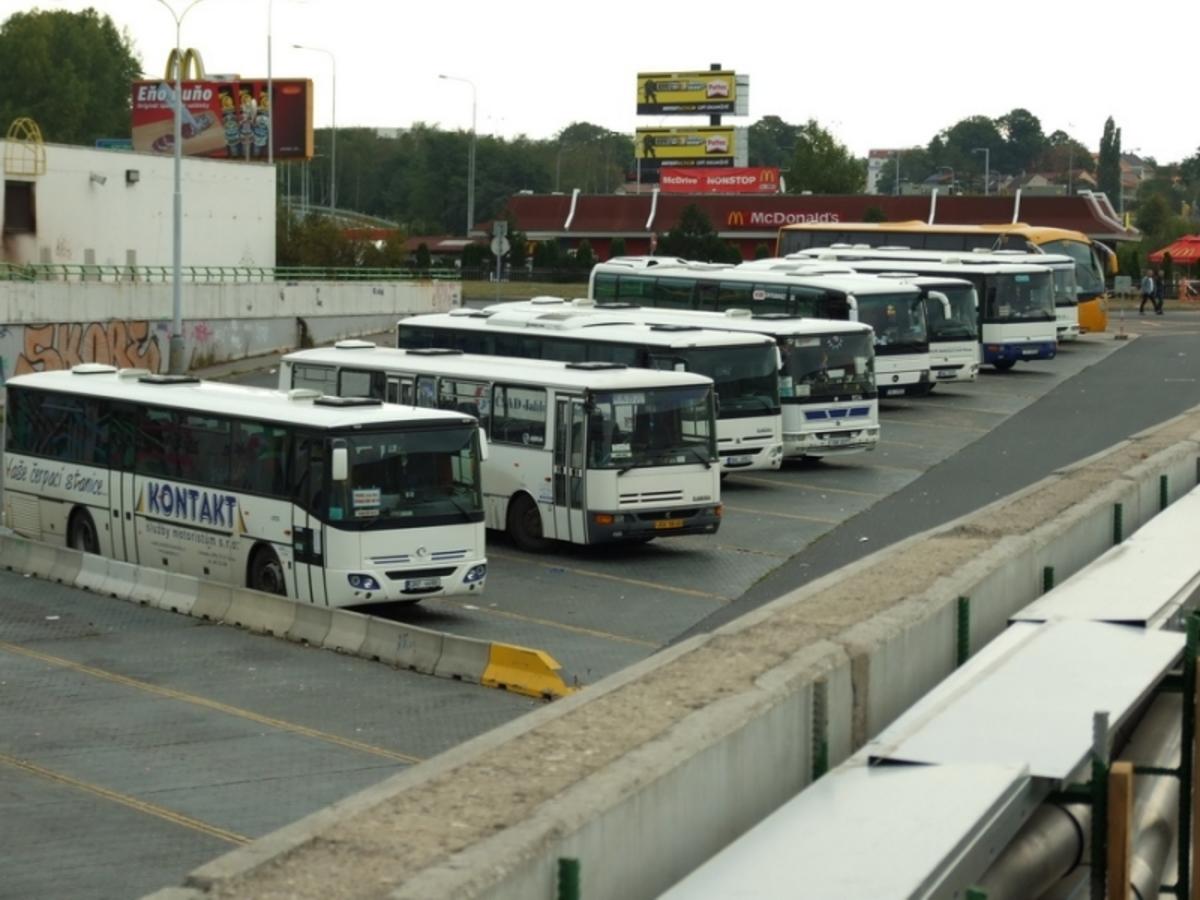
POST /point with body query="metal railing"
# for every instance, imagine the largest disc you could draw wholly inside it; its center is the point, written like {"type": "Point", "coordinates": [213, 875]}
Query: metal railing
{"type": "Point", "coordinates": [213, 274]}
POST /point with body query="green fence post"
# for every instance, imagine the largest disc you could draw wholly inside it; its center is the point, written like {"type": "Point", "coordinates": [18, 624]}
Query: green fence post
{"type": "Point", "coordinates": [1118, 523]}
{"type": "Point", "coordinates": [568, 879]}
{"type": "Point", "coordinates": [1047, 579]}
{"type": "Point", "coordinates": [964, 630]}
{"type": "Point", "coordinates": [1099, 791]}
{"type": "Point", "coordinates": [1162, 492]}
{"type": "Point", "coordinates": [820, 729]}
{"type": "Point", "coordinates": [1186, 772]}
{"type": "Point", "coordinates": [974, 893]}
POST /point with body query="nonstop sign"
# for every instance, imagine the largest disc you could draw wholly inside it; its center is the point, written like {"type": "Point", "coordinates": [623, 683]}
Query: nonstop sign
{"type": "Point", "coordinates": [226, 118]}
{"type": "Point", "coordinates": [689, 93]}
{"type": "Point", "coordinates": [747, 180]}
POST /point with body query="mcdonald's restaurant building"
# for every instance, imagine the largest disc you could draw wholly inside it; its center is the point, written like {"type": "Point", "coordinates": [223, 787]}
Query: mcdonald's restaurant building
{"type": "Point", "coordinates": [750, 221]}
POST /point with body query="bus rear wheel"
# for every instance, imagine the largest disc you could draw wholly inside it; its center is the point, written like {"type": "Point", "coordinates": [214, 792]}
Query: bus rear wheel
{"type": "Point", "coordinates": [266, 573]}
{"type": "Point", "coordinates": [525, 525]}
{"type": "Point", "coordinates": [1003, 365]}
{"type": "Point", "coordinates": [81, 532]}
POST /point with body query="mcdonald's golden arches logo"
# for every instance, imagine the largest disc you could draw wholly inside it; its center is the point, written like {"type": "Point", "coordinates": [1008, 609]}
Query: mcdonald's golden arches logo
{"type": "Point", "coordinates": [188, 61]}
{"type": "Point", "coordinates": [737, 219]}
{"type": "Point", "coordinates": [770, 176]}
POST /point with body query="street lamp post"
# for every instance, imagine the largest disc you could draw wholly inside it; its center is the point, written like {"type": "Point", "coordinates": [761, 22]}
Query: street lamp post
{"type": "Point", "coordinates": [270, 96]}
{"type": "Point", "coordinates": [332, 125]}
{"type": "Point", "coordinates": [470, 153]}
{"type": "Point", "coordinates": [987, 169]}
{"type": "Point", "coordinates": [175, 347]}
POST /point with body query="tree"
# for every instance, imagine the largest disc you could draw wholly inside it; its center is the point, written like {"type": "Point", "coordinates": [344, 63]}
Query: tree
{"type": "Point", "coordinates": [617, 247]}
{"type": "Point", "coordinates": [424, 258]}
{"type": "Point", "coordinates": [1109, 168]}
{"type": "Point", "coordinates": [762, 251]}
{"type": "Point", "coordinates": [1024, 142]}
{"type": "Point", "coordinates": [772, 142]}
{"type": "Point", "coordinates": [70, 72]}
{"type": "Point", "coordinates": [694, 238]}
{"type": "Point", "coordinates": [913, 165]}
{"type": "Point", "coordinates": [955, 148]}
{"type": "Point", "coordinates": [822, 165]}
{"type": "Point", "coordinates": [1152, 214]}
{"type": "Point", "coordinates": [874, 214]}
{"type": "Point", "coordinates": [584, 257]}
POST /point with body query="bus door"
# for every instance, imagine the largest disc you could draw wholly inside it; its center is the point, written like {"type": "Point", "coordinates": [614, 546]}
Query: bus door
{"type": "Point", "coordinates": [569, 464]}
{"type": "Point", "coordinates": [123, 484]}
{"type": "Point", "coordinates": [312, 493]}
{"type": "Point", "coordinates": [401, 389]}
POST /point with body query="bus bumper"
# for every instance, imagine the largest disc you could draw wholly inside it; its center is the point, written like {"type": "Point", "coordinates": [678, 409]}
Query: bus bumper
{"type": "Point", "coordinates": [404, 585]}
{"type": "Point", "coordinates": [957, 372]}
{"type": "Point", "coordinates": [1015, 352]}
{"type": "Point", "coordinates": [830, 443]}
{"type": "Point", "coordinates": [609, 528]}
{"type": "Point", "coordinates": [735, 458]}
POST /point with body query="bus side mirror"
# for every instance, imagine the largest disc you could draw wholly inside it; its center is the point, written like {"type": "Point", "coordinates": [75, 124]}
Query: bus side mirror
{"type": "Point", "coordinates": [942, 299]}
{"type": "Point", "coordinates": [341, 461]}
{"type": "Point", "coordinates": [483, 445]}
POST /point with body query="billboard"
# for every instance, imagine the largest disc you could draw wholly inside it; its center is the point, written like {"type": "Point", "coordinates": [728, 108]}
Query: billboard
{"type": "Point", "coordinates": [686, 93]}
{"type": "Point", "coordinates": [226, 119]}
{"type": "Point", "coordinates": [690, 146]}
{"type": "Point", "coordinates": [739, 180]}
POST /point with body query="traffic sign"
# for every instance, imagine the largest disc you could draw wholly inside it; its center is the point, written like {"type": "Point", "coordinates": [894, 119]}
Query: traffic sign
{"type": "Point", "coordinates": [500, 245]}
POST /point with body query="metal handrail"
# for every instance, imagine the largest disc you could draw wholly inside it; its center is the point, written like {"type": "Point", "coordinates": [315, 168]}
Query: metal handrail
{"type": "Point", "coordinates": [214, 274]}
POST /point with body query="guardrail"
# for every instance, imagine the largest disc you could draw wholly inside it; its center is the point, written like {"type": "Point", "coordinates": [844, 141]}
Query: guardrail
{"type": "Point", "coordinates": [34, 272]}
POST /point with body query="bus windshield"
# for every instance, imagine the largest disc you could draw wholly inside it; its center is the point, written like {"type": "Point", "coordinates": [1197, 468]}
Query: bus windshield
{"type": "Point", "coordinates": [650, 427]}
{"type": "Point", "coordinates": [410, 478]}
{"type": "Point", "coordinates": [827, 365]}
{"type": "Point", "coordinates": [898, 319]}
{"type": "Point", "coordinates": [963, 324]}
{"type": "Point", "coordinates": [1064, 287]}
{"type": "Point", "coordinates": [1027, 295]}
{"type": "Point", "coordinates": [746, 378]}
{"type": "Point", "coordinates": [1089, 276]}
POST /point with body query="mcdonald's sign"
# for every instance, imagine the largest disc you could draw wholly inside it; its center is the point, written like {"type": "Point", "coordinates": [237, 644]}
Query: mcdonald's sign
{"type": "Point", "coordinates": [729, 180]}
{"type": "Point", "coordinates": [223, 118]}
{"type": "Point", "coordinates": [736, 219]}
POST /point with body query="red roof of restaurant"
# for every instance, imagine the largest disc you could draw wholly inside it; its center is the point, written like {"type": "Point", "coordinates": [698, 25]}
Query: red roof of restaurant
{"type": "Point", "coordinates": [1184, 250]}
{"type": "Point", "coordinates": [543, 216]}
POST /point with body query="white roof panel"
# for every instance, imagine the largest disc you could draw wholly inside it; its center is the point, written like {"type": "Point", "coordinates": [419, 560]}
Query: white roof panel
{"type": "Point", "coordinates": [1029, 696]}
{"type": "Point", "coordinates": [877, 832]}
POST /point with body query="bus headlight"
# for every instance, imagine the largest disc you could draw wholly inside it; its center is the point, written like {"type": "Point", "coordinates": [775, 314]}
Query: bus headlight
{"type": "Point", "coordinates": [475, 573]}
{"type": "Point", "coordinates": [362, 582]}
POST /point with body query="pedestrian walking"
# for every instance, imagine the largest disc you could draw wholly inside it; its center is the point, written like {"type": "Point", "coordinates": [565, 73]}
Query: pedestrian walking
{"type": "Point", "coordinates": [1160, 290]}
{"type": "Point", "coordinates": [1147, 294]}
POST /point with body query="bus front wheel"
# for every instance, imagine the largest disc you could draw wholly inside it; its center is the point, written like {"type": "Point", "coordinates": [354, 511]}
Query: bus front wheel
{"type": "Point", "coordinates": [525, 525]}
{"type": "Point", "coordinates": [81, 532]}
{"type": "Point", "coordinates": [266, 573]}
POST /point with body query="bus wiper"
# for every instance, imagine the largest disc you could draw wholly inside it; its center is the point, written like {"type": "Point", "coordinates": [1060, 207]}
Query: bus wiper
{"type": "Point", "coordinates": [704, 459]}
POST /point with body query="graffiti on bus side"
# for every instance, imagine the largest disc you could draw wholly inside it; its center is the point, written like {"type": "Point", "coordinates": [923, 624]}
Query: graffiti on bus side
{"type": "Point", "coordinates": [122, 343]}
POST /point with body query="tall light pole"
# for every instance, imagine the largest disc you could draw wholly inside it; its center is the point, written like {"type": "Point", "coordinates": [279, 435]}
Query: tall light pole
{"type": "Point", "coordinates": [270, 95]}
{"type": "Point", "coordinates": [987, 169]}
{"type": "Point", "coordinates": [470, 153]}
{"type": "Point", "coordinates": [333, 125]}
{"type": "Point", "coordinates": [175, 347]}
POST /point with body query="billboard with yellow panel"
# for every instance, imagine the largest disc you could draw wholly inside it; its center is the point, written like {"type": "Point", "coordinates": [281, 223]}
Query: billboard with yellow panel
{"type": "Point", "coordinates": [697, 145]}
{"type": "Point", "coordinates": [687, 93]}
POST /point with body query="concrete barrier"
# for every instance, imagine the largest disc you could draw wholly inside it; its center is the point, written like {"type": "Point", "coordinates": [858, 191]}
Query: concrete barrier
{"type": "Point", "coordinates": [347, 631]}
{"type": "Point", "coordinates": [92, 573]}
{"type": "Point", "coordinates": [213, 600]}
{"type": "Point", "coordinates": [463, 658]}
{"type": "Point", "coordinates": [14, 553]}
{"type": "Point", "coordinates": [259, 612]}
{"type": "Point", "coordinates": [311, 624]}
{"type": "Point", "coordinates": [179, 593]}
{"type": "Point", "coordinates": [524, 671]}
{"type": "Point", "coordinates": [120, 579]}
{"type": "Point", "coordinates": [149, 586]}
{"type": "Point", "coordinates": [421, 650]}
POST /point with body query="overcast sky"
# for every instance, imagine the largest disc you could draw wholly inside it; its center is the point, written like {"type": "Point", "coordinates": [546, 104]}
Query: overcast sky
{"type": "Point", "coordinates": [877, 74]}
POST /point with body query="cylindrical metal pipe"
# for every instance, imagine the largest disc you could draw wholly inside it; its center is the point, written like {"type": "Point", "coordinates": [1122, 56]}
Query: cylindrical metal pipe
{"type": "Point", "coordinates": [1046, 849]}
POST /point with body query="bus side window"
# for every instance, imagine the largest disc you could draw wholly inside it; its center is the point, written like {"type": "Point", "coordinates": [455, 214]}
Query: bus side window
{"type": "Point", "coordinates": [359, 383]}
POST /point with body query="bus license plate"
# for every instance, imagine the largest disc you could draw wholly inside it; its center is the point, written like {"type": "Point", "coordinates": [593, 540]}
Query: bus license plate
{"type": "Point", "coordinates": [1030, 351]}
{"type": "Point", "coordinates": [422, 584]}
{"type": "Point", "coordinates": [839, 439]}
{"type": "Point", "coordinates": [664, 524]}
{"type": "Point", "coordinates": [945, 374]}
{"type": "Point", "coordinates": [737, 460]}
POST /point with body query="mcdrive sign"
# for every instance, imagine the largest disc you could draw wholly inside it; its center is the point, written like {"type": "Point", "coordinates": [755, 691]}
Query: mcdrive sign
{"type": "Point", "coordinates": [226, 119]}
{"type": "Point", "coordinates": [740, 180]}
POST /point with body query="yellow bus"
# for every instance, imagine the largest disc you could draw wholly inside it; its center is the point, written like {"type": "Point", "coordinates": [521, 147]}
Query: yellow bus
{"type": "Point", "coordinates": [1093, 260]}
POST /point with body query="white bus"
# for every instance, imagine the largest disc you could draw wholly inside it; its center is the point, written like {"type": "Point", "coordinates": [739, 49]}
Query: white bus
{"type": "Point", "coordinates": [310, 497]}
{"type": "Point", "coordinates": [743, 367]}
{"type": "Point", "coordinates": [1017, 315]}
{"type": "Point", "coordinates": [895, 312]}
{"type": "Point", "coordinates": [586, 452]}
{"type": "Point", "coordinates": [826, 370]}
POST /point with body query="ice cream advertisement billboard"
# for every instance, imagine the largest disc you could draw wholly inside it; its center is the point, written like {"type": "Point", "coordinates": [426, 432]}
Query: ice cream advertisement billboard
{"type": "Point", "coordinates": [226, 119]}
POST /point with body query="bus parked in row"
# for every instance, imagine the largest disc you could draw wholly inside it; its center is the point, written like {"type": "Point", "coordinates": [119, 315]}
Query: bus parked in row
{"type": "Point", "coordinates": [1093, 260]}
{"type": "Point", "coordinates": [585, 452]}
{"type": "Point", "coordinates": [826, 370]}
{"type": "Point", "coordinates": [895, 312]}
{"type": "Point", "coordinates": [743, 367]}
{"type": "Point", "coordinates": [1017, 315]}
{"type": "Point", "coordinates": [325, 501]}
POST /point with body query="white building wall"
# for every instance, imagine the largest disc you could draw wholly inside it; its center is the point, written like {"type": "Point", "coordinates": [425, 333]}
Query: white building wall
{"type": "Point", "coordinates": [228, 210]}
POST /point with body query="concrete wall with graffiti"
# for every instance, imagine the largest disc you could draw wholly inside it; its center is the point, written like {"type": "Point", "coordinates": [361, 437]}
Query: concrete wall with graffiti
{"type": "Point", "coordinates": [59, 325]}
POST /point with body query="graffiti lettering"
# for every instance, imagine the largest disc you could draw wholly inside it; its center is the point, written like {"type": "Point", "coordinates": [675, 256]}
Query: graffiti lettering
{"type": "Point", "coordinates": [125, 344]}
